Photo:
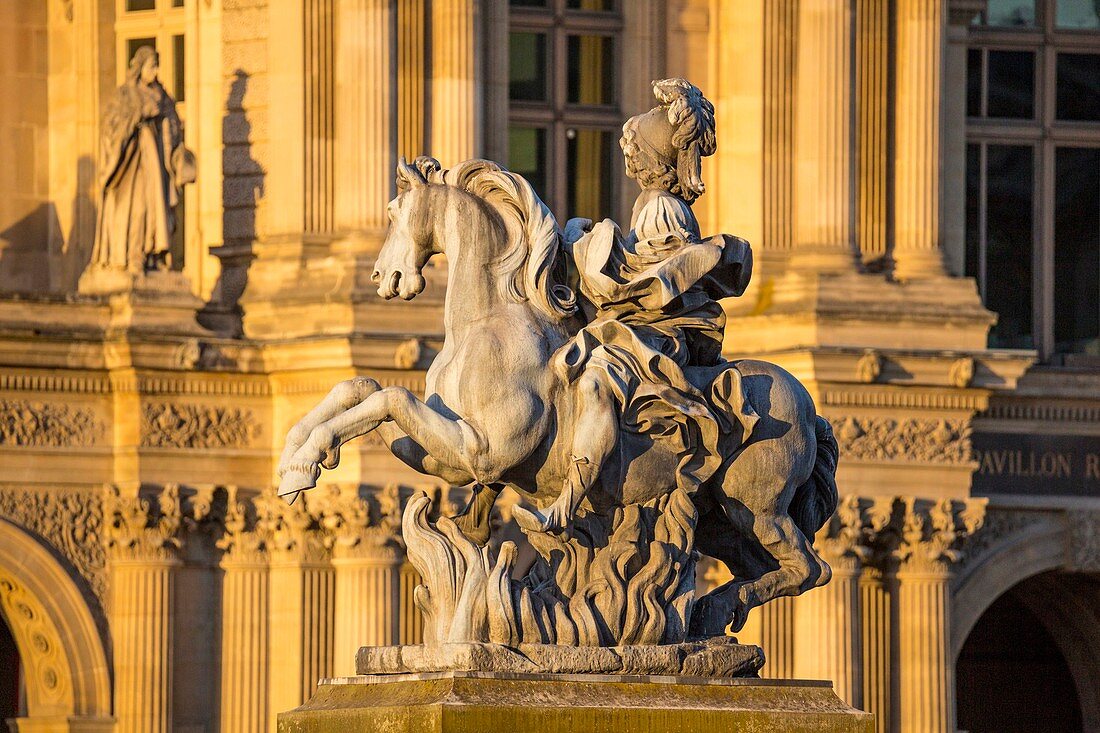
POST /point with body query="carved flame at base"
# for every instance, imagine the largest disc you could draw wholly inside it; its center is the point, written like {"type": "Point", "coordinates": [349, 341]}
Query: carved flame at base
{"type": "Point", "coordinates": [624, 580]}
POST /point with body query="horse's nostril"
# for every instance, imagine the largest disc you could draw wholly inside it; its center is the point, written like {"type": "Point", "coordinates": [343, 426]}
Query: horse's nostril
{"type": "Point", "coordinates": [395, 280]}
{"type": "Point", "coordinates": [376, 275]}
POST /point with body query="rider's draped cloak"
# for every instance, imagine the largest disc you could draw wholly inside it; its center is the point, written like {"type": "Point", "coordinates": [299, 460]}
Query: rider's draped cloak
{"type": "Point", "coordinates": [655, 328]}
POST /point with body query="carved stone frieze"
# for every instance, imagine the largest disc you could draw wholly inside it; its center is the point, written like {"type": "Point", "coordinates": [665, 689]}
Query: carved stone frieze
{"type": "Point", "coordinates": [361, 524]}
{"type": "Point", "coordinates": [173, 425]}
{"type": "Point", "coordinates": [36, 424]}
{"type": "Point", "coordinates": [70, 521]}
{"type": "Point", "coordinates": [912, 439]}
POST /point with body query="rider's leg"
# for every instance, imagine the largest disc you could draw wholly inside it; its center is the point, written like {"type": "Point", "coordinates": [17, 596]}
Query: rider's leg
{"type": "Point", "coordinates": [595, 434]}
{"type": "Point", "coordinates": [342, 397]}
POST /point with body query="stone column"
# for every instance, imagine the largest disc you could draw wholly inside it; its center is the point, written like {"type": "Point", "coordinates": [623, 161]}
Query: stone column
{"type": "Point", "coordinates": [829, 641]}
{"type": "Point", "coordinates": [457, 83]}
{"type": "Point", "coordinates": [300, 609]}
{"type": "Point", "coordinates": [366, 110]}
{"type": "Point", "coordinates": [873, 119]}
{"type": "Point", "coordinates": [824, 137]}
{"type": "Point", "coordinates": [142, 547]}
{"type": "Point", "coordinates": [412, 621]}
{"type": "Point", "coordinates": [367, 558]}
{"type": "Point", "coordinates": [244, 627]}
{"type": "Point", "coordinates": [917, 134]}
{"type": "Point", "coordinates": [877, 601]}
{"type": "Point", "coordinates": [930, 534]}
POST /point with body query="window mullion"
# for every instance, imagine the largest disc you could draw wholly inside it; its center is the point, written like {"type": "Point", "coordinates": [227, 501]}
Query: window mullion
{"type": "Point", "coordinates": [983, 209]}
{"type": "Point", "coordinates": [1043, 254]}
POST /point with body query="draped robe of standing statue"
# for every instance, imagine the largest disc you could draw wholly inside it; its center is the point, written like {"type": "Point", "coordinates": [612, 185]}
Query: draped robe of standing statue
{"type": "Point", "coordinates": [144, 169]}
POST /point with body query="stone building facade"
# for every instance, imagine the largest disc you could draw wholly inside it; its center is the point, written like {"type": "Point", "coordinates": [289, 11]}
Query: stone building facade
{"type": "Point", "coordinates": [911, 174]}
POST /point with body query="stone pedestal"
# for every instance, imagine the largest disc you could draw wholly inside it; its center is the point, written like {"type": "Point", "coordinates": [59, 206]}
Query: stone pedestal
{"type": "Point", "coordinates": [487, 702]}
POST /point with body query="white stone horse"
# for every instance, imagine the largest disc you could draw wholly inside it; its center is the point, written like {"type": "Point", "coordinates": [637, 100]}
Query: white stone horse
{"type": "Point", "coordinates": [495, 413]}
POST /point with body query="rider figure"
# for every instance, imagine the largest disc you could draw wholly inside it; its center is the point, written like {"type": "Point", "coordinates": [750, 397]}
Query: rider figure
{"type": "Point", "coordinates": [650, 299]}
{"type": "Point", "coordinates": [653, 323]}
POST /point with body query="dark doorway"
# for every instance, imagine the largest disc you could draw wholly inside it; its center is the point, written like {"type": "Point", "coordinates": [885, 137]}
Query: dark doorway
{"type": "Point", "coordinates": [11, 672]}
{"type": "Point", "coordinates": [1011, 677]}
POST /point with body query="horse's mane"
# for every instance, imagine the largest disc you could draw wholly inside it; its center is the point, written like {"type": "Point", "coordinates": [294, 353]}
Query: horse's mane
{"type": "Point", "coordinates": [534, 268]}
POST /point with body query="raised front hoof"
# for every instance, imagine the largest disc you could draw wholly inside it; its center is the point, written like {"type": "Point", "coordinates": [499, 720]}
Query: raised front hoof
{"type": "Point", "coordinates": [537, 521]}
{"type": "Point", "coordinates": [295, 480]}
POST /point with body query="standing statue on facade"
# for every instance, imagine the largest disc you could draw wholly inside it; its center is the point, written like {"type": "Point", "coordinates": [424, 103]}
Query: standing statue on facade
{"type": "Point", "coordinates": [582, 366]}
{"type": "Point", "coordinates": [143, 169]}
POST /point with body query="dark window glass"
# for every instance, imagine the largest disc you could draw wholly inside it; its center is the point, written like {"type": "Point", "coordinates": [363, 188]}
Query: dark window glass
{"type": "Point", "coordinates": [527, 155]}
{"type": "Point", "coordinates": [1010, 84]}
{"type": "Point", "coordinates": [597, 5]}
{"type": "Point", "coordinates": [973, 198]}
{"type": "Point", "coordinates": [177, 3]}
{"type": "Point", "coordinates": [1077, 250]}
{"type": "Point", "coordinates": [1077, 14]}
{"type": "Point", "coordinates": [527, 3]}
{"type": "Point", "coordinates": [974, 83]}
{"type": "Point", "coordinates": [1008, 280]}
{"type": "Point", "coordinates": [133, 44]}
{"type": "Point", "coordinates": [590, 173]}
{"type": "Point", "coordinates": [1010, 13]}
{"type": "Point", "coordinates": [1078, 90]}
{"type": "Point", "coordinates": [132, 5]}
{"type": "Point", "coordinates": [178, 69]}
{"type": "Point", "coordinates": [591, 76]}
{"type": "Point", "coordinates": [527, 66]}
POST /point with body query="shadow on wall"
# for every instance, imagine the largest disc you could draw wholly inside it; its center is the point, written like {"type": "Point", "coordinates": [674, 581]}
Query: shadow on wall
{"type": "Point", "coordinates": [242, 186]}
{"type": "Point", "coordinates": [36, 256]}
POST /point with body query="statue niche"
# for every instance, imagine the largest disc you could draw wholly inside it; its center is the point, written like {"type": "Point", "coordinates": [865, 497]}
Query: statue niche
{"type": "Point", "coordinates": [143, 169]}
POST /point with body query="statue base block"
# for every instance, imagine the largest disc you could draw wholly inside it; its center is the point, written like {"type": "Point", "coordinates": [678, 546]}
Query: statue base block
{"type": "Point", "coordinates": [488, 702]}
{"type": "Point", "coordinates": [719, 657]}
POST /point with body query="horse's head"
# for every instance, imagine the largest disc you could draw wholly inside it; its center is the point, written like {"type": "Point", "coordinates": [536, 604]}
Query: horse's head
{"type": "Point", "coordinates": [410, 241]}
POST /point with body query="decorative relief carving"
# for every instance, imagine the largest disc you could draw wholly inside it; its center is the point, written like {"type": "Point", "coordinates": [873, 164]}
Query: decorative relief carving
{"type": "Point", "coordinates": [71, 522]}
{"type": "Point", "coordinates": [172, 425]}
{"type": "Point", "coordinates": [42, 653]}
{"type": "Point", "coordinates": [869, 366]}
{"type": "Point", "coordinates": [1085, 541]}
{"type": "Point", "coordinates": [999, 525]}
{"type": "Point", "coordinates": [915, 440]}
{"type": "Point", "coordinates": [34, 424]}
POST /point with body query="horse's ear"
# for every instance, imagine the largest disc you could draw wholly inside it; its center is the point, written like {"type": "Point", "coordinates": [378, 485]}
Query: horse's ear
{"type": "Point", "coordinates": [429, 168]}
{"type": "Point", "coordinates": [408, 177]}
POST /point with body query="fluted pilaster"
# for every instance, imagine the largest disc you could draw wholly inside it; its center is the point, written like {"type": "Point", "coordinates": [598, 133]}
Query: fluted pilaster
{"type": "Point", "coordinates": [824, 194]}
{"type": "Point", "coordinates": [412, 99]}
{"type": "Point", "coordinates": [244, 627]}
{"type": "Point", "coordinates": [412, 621]}
{"type": "Point", "coordinates": [919, 59]}
{"type": "Point", "coordinates": [780, 54]}
{"type": "Point", "coordinates": [142, 547]}
{"type": "Point", "coordinates": [457, 83]}
{"type": "Point", "coordinates": [777, 638]}
{"type": "Point", "coordinates": [876, 619]}
{"type": "Point", "coordinates": [872, 112]}
{"type": "Point", "coordinates": [365, 123]}
{"type": "Point", "coordinates": [930, 536]}
{"type": "Point", "coordinates": [368, 594]}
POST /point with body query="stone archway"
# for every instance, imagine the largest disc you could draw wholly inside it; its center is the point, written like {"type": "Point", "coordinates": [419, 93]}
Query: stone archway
{"type": "Point", "coordinates": [1027, 562]}
{"type": "Point", "coordinates": [66, 674]}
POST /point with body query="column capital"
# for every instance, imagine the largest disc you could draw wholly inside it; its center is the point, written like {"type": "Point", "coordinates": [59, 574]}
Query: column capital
{"type": "Point", "coordinates": [855, 532]}
{"type": "Point", "coordinates": [932, 531]}
{"type": "Point", "coordinates": [245, 534]}
{"type": "Point", "coordinates": [137, 530]}
{"type": "Point", "coordinates": [361, 525]}
{"type": "Point", "coordinates": [291, 531]}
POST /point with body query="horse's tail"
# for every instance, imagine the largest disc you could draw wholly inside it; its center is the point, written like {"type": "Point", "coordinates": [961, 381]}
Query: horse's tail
{"type": "Point", "coordinates": [815, 501]}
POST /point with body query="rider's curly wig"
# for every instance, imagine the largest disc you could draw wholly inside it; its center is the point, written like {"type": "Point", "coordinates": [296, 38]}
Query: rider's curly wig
{"type": "Point", "coordinates": [691, 118]}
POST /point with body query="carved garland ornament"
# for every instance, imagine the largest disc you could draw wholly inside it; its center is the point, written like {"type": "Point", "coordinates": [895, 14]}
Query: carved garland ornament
{"type": "Point", "coordinates": [33, 424]}
{"type": "Point", "coordinates": [71, 522]}
{"type": "Point", "coordinates": [912, 439]}
{"type": "Point", "coordinates": [169, 425]}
